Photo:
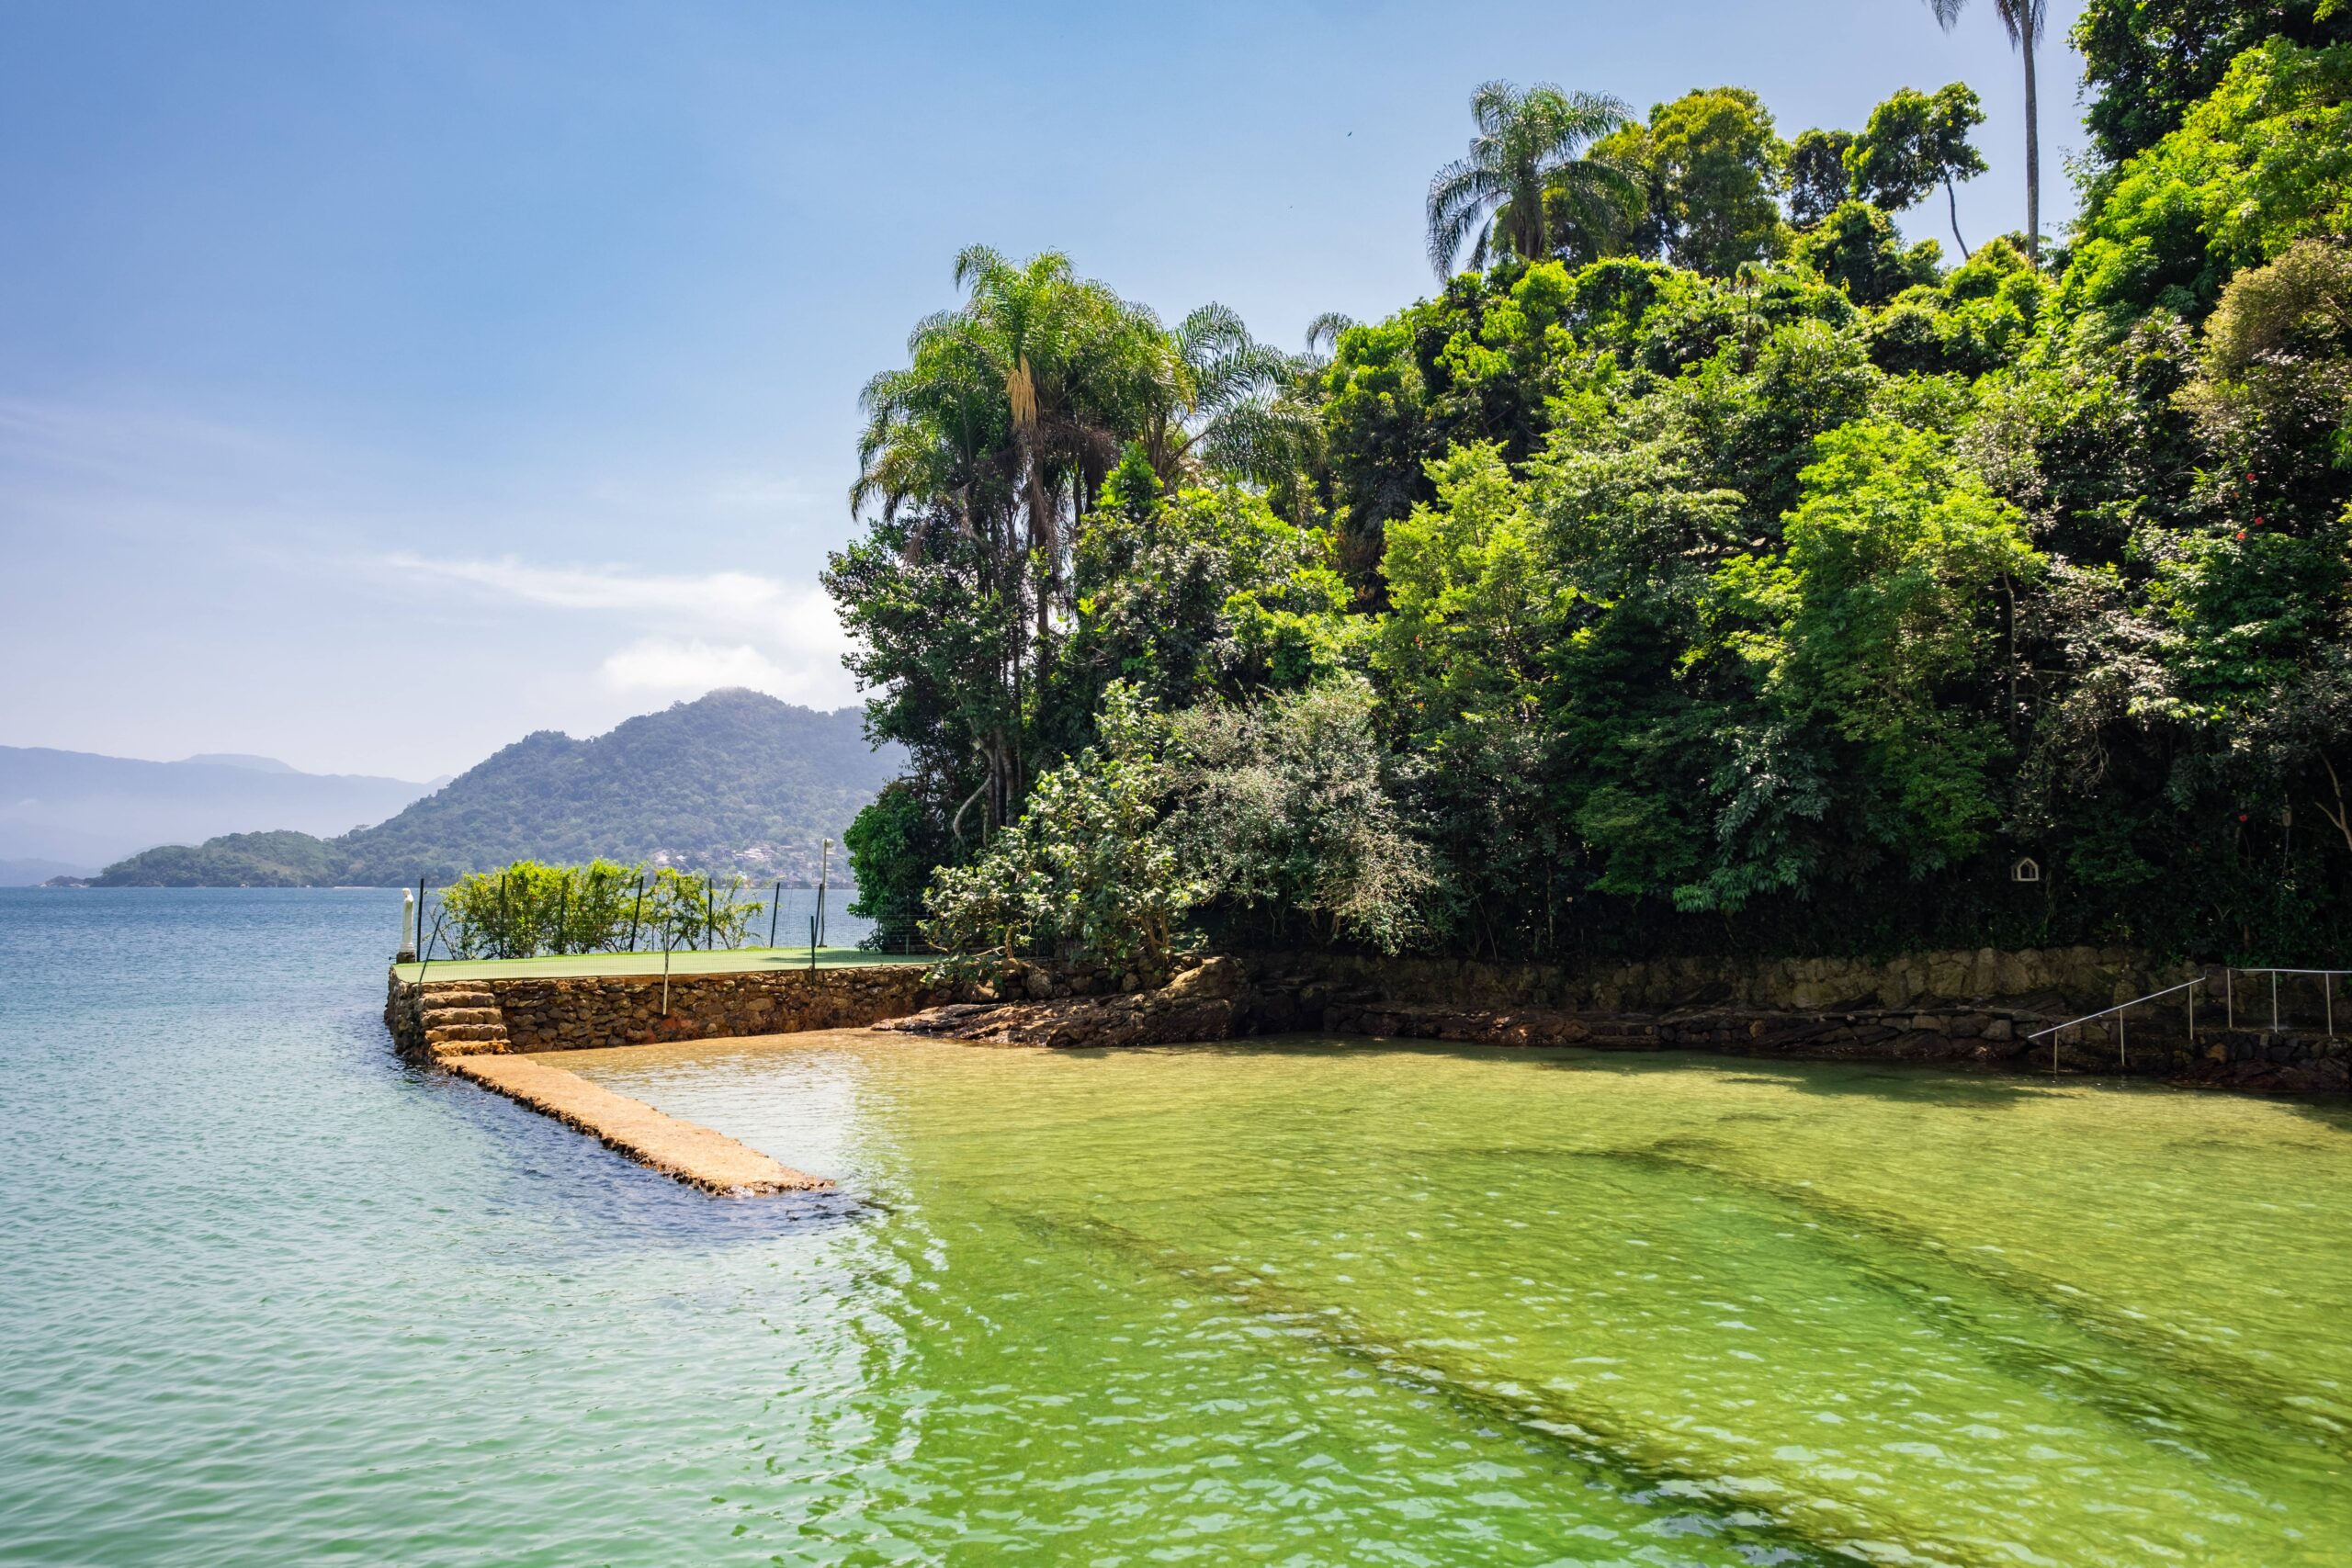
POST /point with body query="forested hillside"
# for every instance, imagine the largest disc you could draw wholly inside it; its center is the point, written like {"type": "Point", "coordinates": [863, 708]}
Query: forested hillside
{"type": "Point", "coordinates": [735, 781]}
{"type": "Point", "coordinates": [1704, 568]}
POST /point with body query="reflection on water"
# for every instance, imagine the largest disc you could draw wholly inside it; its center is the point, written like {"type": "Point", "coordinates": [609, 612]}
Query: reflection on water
{"type": "Point", "coordinates": [273, 1298]}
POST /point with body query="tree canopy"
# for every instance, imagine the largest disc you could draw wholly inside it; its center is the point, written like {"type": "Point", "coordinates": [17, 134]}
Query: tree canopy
{"type": "Point", "coordinates": [1716, 571]}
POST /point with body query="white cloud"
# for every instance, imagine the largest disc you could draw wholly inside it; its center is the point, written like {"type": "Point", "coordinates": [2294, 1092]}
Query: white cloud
{"type": "Point", "coordinates": [665, 665]}
{"type": "Point", "coordinates": [722, 628]}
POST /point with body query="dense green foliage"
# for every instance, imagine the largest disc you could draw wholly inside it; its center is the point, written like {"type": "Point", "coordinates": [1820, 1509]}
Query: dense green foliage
{"type": "Point", "coordinates": [2147, 61]}
{"type": "Point", "coordinates": [732, 781]}
{"type": "Point", "coordinates": [527, 909]}
{"type": "Point", "coordinates": [1742, 579]}
{"type": "Point", "coordinates": [1088, 865]}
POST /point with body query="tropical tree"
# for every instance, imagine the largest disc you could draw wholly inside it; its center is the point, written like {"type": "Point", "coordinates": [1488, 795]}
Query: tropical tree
{"type": "Point", "coordinates": [1088, 871]}
{"type": "Point", "coordinates": [1526, 177]}
{"type": "Point", "coordinates": [980, 455]}
{"type": "Point", "coordinates": [1711, 167]}
{"type": "Point", "coordinates": [2147, 63]}
{"type": "Point", "coordinates": [2022, 21]}
{"type": "Point", "coordinates": [1228, 404]}
{"type": "Point", "coordinates": [1075, 361]}
{"type": "Point", "coordinates": [1291, 807]}
{"type": "Point", "coordinates": [1915, 142]}
{"type": "Point", "coordinates": [1818, 184]}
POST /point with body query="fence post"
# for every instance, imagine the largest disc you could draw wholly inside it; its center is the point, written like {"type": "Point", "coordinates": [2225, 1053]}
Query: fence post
{"type": "Point", "coordinates": [2274, 1001]}
{"type": "Point", "coordinates": [775, 907]}
{"type": "Point", "coordinates": [812, 944]}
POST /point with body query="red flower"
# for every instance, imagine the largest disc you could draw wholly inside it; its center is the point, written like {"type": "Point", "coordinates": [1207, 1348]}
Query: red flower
{"type": "Point", "coordinates": [2241, 535]}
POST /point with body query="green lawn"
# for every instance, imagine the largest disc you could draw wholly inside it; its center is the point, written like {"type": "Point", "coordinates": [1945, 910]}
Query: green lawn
{"type": "Point", "coordinates": [725, 961]}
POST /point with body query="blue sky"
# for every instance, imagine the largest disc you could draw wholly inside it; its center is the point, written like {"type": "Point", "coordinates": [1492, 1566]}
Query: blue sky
{"type": "Point", "coordinates": [382, 381]}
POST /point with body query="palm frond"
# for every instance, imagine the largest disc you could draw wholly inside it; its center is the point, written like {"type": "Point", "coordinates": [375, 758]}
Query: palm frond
{"type": "Point", "coordinates": [1323, 332]}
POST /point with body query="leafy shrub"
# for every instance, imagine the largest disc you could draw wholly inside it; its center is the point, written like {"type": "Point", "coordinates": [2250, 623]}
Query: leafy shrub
{"type": "Point", "coordinates": [528, 908]}
{"type": "Point", "coordinates": [1087, 872]}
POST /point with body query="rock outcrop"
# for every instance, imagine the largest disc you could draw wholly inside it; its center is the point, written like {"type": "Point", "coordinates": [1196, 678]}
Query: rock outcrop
{"type": "Point", "coordinates": [1205, 1002]}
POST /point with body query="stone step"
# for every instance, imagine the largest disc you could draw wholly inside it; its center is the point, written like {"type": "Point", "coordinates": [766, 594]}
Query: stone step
{"type": "Point", "coordinates": [468, 998]}
{"type": "Point", "coordinates": [441, 1015]}
{"type": "Point", "coordinates": [436, 1033]}
{"type": "Point", "coordinates": [440, 1049]}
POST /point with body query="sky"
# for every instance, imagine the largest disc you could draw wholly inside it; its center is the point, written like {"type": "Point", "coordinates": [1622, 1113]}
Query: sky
{"type": "Point", "coordinates": [380, 381]}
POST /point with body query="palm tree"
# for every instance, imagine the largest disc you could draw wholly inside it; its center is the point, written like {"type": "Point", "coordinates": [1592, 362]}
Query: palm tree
{"type": "Point", "coordinates": [2022, 19]}
{"type": "Point", "coordinates": [1000, 431]}
{"type": "Point", "coordinates": [1530, 145]}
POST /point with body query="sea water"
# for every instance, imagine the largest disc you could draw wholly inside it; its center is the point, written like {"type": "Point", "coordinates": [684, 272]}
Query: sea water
{"type": "Point", "coordinates": [269, 1296]}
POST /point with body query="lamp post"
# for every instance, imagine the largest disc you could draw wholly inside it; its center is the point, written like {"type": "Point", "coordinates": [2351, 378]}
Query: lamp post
{"type": "Point", "coordinates": [824, 863]}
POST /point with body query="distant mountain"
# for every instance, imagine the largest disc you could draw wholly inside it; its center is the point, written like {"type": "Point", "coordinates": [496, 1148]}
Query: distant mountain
{"type": "Point", "coordinates": [735, 781]}
{"type": "Point", "coordinates": [81, 809]}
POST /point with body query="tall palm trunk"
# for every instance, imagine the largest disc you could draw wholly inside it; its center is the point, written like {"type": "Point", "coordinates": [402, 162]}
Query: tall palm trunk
{"type": "Point", "coordinates": [2022, 21]}
{"type": "Point", "coordinates": [1021, 391]}
{"type": "Point", "coordinates": [2033, 151]}
{"type": "Point", "coordinates": [1527, 219]}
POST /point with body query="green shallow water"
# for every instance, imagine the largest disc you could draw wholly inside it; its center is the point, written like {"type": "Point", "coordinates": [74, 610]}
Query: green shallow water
{"type": "Point", "coordinates": [1469, 1305]}
{"type": "Point", "coordinates": [267, 1296]}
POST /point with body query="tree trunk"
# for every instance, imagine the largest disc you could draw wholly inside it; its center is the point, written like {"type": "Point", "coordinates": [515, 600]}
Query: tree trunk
{"type": "Point", "coordinates": [1953, 196]}
{"type": "Point", "coordinates": [2033, 151]}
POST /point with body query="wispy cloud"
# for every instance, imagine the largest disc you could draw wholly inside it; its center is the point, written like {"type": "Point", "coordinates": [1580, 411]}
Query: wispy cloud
{"type": "Point", "coordinates": [735, 598]}
{"type": "Point", "coordinates": [697, 632]}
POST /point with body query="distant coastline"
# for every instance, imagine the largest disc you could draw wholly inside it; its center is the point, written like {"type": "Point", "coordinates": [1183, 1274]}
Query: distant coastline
{"type": "Point", "coordinates": [735, 782]}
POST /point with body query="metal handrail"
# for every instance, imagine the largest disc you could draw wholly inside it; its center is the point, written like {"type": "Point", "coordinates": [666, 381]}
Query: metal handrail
{"type": "Point", "coordinates": [2228, 976]}
{"type": "Point", "coordinates": [2122, 1051]}
{"type": "Point", "coordinates": [2326, 992]}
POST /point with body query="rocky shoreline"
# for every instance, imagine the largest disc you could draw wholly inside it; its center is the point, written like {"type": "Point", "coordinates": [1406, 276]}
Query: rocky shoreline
{"type": "Point", "coordinates": [1976, 1009]}
{"type": "Point", "coordinates": [499, 1033]}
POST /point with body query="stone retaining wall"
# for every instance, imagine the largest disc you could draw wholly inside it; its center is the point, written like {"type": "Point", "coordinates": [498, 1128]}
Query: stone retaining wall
{"type": "Point", "coordinates": [582, 1012]}
{"type": "Point", "coordinates": [1955, 1008]}
{"type": "Point", "coordinates": [1976, 1007]}
{"type": "Point", "coordinates": [2068, 980]}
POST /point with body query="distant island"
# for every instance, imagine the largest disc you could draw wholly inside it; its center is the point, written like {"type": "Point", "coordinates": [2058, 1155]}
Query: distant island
{"type": "Point", "coordinates": [735, 781]}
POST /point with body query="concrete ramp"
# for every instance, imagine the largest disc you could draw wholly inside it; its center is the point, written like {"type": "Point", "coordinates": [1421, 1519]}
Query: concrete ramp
{"type": "Point", "coordinates": [685, 1150]}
